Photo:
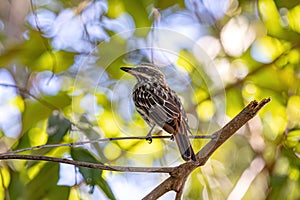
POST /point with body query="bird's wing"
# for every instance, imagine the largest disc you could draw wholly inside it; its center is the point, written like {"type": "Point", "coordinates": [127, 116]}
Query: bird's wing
{"type": "Point", "coordinates": [163, 107]}
{"type": "Point", "coordinates": [160, 106]}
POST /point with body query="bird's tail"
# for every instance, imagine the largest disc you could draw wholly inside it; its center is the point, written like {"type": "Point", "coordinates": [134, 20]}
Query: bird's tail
{"type": "Point", "coordinates": [185, 147]}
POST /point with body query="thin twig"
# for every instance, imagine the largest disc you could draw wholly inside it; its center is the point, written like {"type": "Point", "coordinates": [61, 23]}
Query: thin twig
{"type": "Point", "coordinates": [87, 164]}
{"type": "Point", "coordinates": [102, 140]}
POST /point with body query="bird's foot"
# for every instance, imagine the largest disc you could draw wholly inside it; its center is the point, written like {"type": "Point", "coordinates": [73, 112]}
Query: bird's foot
{"type": "Point", "coordinates": [172, 137]}
{"type": "Point", "coordinates": [149, 139]}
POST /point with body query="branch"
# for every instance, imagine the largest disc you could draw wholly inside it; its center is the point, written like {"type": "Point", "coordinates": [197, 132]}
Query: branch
{"type": "Point", "coordinates": [87, 164]}
{"type": "Point", "coordinates": [74, 144]}
{"type": "Point", "coordinates": [230, 128]}
{"type": "Point", "coordinates": [179, 175]}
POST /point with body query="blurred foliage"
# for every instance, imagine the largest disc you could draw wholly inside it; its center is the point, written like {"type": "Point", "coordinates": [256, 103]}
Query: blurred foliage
{"type": "Point", "coordinates": [65, 59]}
{"type": "Point", "coordinates": [92, 176]}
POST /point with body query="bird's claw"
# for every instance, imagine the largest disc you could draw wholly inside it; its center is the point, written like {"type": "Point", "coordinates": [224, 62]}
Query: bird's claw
{"type": "Point", "coordinates": [149, 139]}
{"type": "Point", "coordinates": [172, 137]}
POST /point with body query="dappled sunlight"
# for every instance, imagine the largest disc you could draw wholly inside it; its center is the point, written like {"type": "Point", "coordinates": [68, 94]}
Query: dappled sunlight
{"type": "Point", "coordinates": [38, 136]}
{"type": "Point", "coordinates": [224, 69]}
{"type": "Point", "coordinates": [205, 110]}
{"type": "Point", "coordinates": [48, 84]}
{"type": "Point", "coordinates": [10, 115]}
{"type": "Point", "coordinates": [239, 68]}
{"type": "Point", "coordinates": [246, 179]}
{"type": "Point", "coordinates": [67, 29]}
{"type": "Point", "coordinates": [293, 111]}
{"type": "Point", "coordinates": [249, 91]}
{"type": "Point", "coordinates": [61, 85]}
{"type": "Point", "coordinates": [266, 49]}
{"type": "Point", "coordinates": [209, 44]}
{"type": "Point", "coordinates": [270, 16]}
{"type": "Point", "coordinates": [112, 151]}
{"type": "Point", "coordinates": [293, 15]}
{"type": "Point", "coordinates": [237, 36]}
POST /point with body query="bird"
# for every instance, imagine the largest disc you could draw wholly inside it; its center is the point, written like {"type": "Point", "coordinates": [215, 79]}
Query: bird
{"type": "Point", "coordinates": [160, 106]}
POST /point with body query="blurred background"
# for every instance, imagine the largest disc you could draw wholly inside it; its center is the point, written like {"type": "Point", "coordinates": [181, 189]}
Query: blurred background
{"type": "Point", "coordinates": [60, 82]}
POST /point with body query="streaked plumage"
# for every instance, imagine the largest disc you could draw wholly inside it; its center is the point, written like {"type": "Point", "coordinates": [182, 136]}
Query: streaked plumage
{"type": "Point", "coordinates": [160, 105]}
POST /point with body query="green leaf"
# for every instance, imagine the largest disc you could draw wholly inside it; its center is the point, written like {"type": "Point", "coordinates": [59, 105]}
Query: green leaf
{"type": "Point", "coordinates": [25, 53]}
{"type": "Point", "coordinates": [16, 187]}
{"type": "Point", "coordinates": [44, 185]}
{"type": "Point", "coordinates": [294, 161]}
{"type": "Point", "coordinates": [91, 176]}
{"type": "Point", "coordinates": [137, 9]}
{"type": "Point", "coordinates": [234, 97]}
{"type": "Point", "coordinates": [53, 61]}
{"type": "Point", "coordinates": [286, 3]}
{"type": "Point", "coordinates": [105, 188]}
{"type": "Point", "coordinates": [34, 112]}
{"type": "Point", "coordinates": [168, 3]}
{"type": "Point", "coordinates": [23, 142]}
{"type": "Point", "coordinates": [278, 188]}
{"type": "Point", "coordinates": [293, 138]}
{"type": "Point", "coordinates": [272, 20]}
{"type": "Point", "coordinates": [37, 55]}
{"type": "Point", "coordinates": [57, 127]}
{"type": "Point", "coordinates": [60, 101]}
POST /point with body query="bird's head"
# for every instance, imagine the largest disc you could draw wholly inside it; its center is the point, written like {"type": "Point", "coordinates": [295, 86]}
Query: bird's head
{"type": "Point", "coordinates": [146, 73]}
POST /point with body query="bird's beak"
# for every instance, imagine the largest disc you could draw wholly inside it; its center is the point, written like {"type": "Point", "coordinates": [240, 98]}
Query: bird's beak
{"type": "Point", "coordinates": [126, 69]}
